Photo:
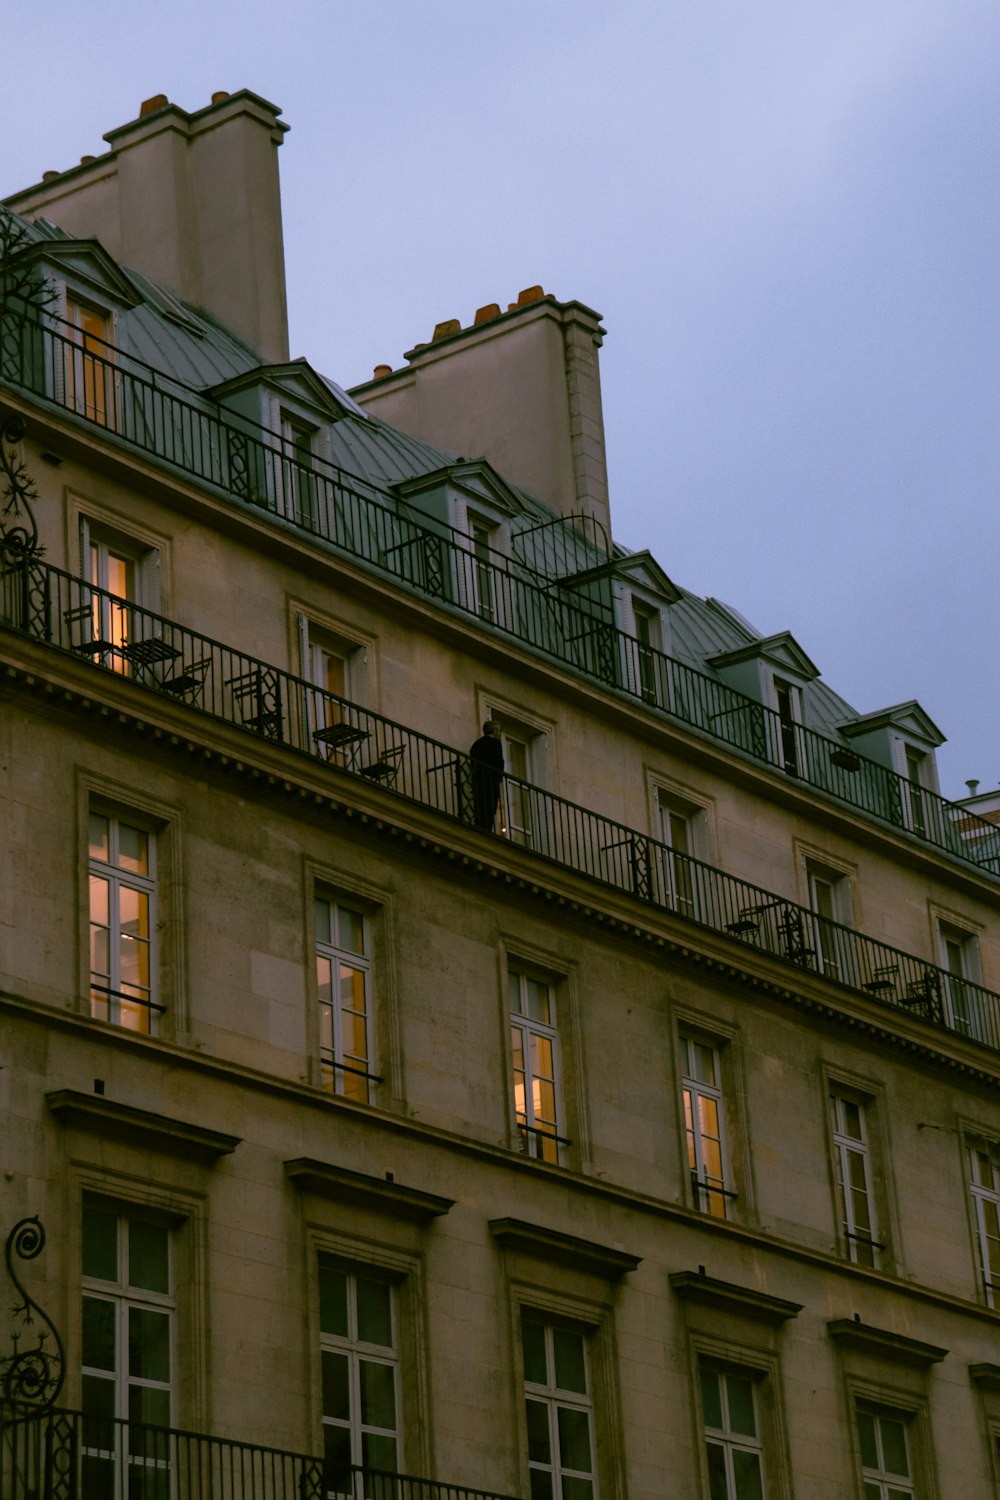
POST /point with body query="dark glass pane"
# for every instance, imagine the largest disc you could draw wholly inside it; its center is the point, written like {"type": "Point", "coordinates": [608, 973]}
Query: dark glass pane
{"type": "Point", "coordinates": [148, 1257]}
{"type": "Point", "coordinates": [571, 1369]}
{"type": "Point", "coordinates": [533, 1348]}
{"type": "Point", "coordinates": [98, 1478]}
{"type": "Point", "coordinates": [378, 1394]}
{"type": "Point", "coordinates": [741, 1413]}
{"type": "Point", "coordinates": [711, 1399]}
{"type": "Point", "coordinates": [574, 1439]}
{"type": "Point", "coordinates": [332, 1300]}
{"type": "Point", "coordinates": [100, 1243]}
{"type": "Point", "coordinates": [379, 1452]}
{"type": "Point", "coordinates": [718, 1487]}
{"type": "Point", "coordinates": [337, 1445]}
{"type": "Point", "coordinates": [336, 1386]}
{"type": "Point", "coordinates": [98, 1333]}
{"type": "Point", "coordinates": [866, 1439]}
{"type": "Point", "coordinates": [374, 1312]}
{"type": "Point", "coordinates": [746, 1472]}
{"type": "Point", "coordinates": [148, 1343]}
{"type": "Point", "coordinates": [539, 1443]}
{"type": "Point", "coordinates": [894, 1447]}
{"type": "Point", "coordinates": [98, 1412]}
{"type": "Point", "coordinates": [150, 1406]}
{"type": "Point", "coordinates": [541, 1484]}
{"type": "Point", "coordinates": [576, 1489]}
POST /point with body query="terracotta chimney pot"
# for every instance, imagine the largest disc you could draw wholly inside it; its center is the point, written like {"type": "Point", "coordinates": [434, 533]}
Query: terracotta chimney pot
{"type": "Point", "coordinates": [530, 294]}
{"type": "Point", "coordinates": [150, 106]}
{"type": "Point", "coordinates": [450, 325]}
{"type": "Point", "coordinates": [488, 313]}
{"type": "Point", "coordinates": [48, 176]}
{"type": "Point", "coordinates": [85, 159]}
{"type": "Point", "coordinates": [381, 371]}
{"type": "Point", "coordinates": [219, 95]}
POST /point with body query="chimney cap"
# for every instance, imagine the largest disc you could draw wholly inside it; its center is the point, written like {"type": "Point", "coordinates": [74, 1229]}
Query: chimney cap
{"type": "Point", "coordinates": [381, 371]}
{"type": "Point", "coordinates": [488, 313]}
{"type": "Point", "coordinates": [220, 95]}
{"type": "Point", "coordinates": [445, 329]}
{"type": "Point", "coordinates": [150, 106]}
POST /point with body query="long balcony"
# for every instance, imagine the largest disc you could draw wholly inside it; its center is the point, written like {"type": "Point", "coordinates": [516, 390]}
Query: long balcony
{"type": "Point", "coordinates": [160, 657]}
{"type": "Point", "coordinates": [551, 598]}
{"type": "Point", "coordinates": [67, 1455]}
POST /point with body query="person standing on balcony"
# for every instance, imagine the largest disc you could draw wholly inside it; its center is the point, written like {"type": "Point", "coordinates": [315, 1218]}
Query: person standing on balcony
{"type": "Point", "coordinates": [486, 771]}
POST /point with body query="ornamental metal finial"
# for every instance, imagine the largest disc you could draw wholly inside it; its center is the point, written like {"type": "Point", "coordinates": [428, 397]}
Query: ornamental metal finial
{"type": "Point", "coordinates": [18, 528]}
{"type": "Point", "coordinates": [31, 1376]}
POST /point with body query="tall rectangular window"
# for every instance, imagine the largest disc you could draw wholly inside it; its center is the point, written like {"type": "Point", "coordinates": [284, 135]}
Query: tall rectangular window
{"type": "Point", "coordinates": [853, 1174]}
{"type": "Point", "coordinates": [701, 1087]}
{"type": "Point", "coordinates": [127, 1346]}
{"type": "Point", "coordinates": [482, 535]}
{"type": "Point", "coordinates": [122, 876]}
{"type": "Point", "coordinates": [678, 831]}
{"type": "Point", "coordinates": [984, 1164]}
{"type": "Point", "coordinates": [915, 774]}
{"type": "Point", "coordinates": [829, 900]}
{"type": "Point", "coordinates": [89, 374]}
{"type": "Point", "coordinates": [343, 979]}
{"type": "Point", "coordinates": [886, 1461]}
{"type": "Point", "coordinates": [298, 479]}
{"type": "Point", "coordinates": [649, 644]}
{"type": "Point", "coordinates": [959, 956]}
{"type": "Point", "coordinates": [787, 697]}
{"type": "Point", "coordinates": [732, 1436]}
{"type": "Point", "coordinates": [560, 1411]}
{"type": "Point", "coordinates": [535, 1055]}
{"type": "Point", "coordinates": [360, 1377]}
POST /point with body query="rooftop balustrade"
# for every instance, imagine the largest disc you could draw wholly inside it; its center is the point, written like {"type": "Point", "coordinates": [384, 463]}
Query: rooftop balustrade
{"type": "Point", "coordinates": [71, 1455]}
{"type": "Point", "coordinates": [161, 657]}
{"type": "Point", "coordinates": [548, 596]}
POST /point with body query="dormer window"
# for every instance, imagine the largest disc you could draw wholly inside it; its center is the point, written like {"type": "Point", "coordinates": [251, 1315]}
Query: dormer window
{"type": "Point", "coordinates": [297, 489]}
{"type": "Point", "coordinates": [484, 535]}
{"type": "Point", "coordinates": [788, 700]}
{"type": "Point", "coordinates": [649, 646]}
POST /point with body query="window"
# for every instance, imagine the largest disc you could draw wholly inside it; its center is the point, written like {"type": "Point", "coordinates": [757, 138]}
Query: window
{"type": "Point", "coordinates": [87, 355]}
{"type": "Point", "coordinates": [959, 956]}
{"type": "Point", "coordinates": [649, 646]}
{"type": "Point", "coordinates": [788, 700]}
{"type": "Point", "coordinates": [984, 1161]}
{"type": "Point", "coordinates": [680, 831]}
{"type": "Point", "coordinates": [829, 898]}
{"type": "Point", "coordinates": [525, 754]}
{"type": "Point", "coordinates": [343, 979]}
{"type": "Point", "coordinates": [535, 1053]}
{"type": "Point", "coordinates": [122, 870]}
{"type": "Point", "coordinates": [886, 1464]}
{"type": "Point", "coordinates": [916, 773]}
{"type": "Point", "coordinates": [126, 571]}
{"type": "Point", "coordinates": [701, 1087]}
{"type": "Point", "coordinates": [360, 1376]}
{"type": "Point", "coordinates": [483, 535]}
{"type": "Point", "coordinates": [732, 1436]}
{"type": "Point", "coordinates": [853, 1177]}
{"type": "Point", "coordinates": [559, 1410]}
{"type": "Point", "coordinates": [127, 1338]}
{"type": "Point", "coordinates": [298, 478]}
{"type": "Point", "coordinates": [335, 665]}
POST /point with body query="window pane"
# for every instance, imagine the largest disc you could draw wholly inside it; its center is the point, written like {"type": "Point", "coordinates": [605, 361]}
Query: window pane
{"type": "Point", "coordinates": [148, 1343]}
{"type": "Point", "coordinates": [134, 911]}
{"type": "Point", "coordinates": [533, 1347]}
{"type": "Point", "coordinates": [133, 849]}
{"type": "Point", "coordinates": [746, 1472]}
{"type": "Point", "coordinates": [571, 1371]}
{"type": "Point", "coordinates": [866, 1439]}
{"type": "Point", "coordinates": [703, 1063]}
{"type": "Point", "coordinates": [539, 1001]}
{"type": "Point", "coordinates": [574, 1439]}
{"type": "Point", "coordinates": [374, 1312]}
{"type": "Point", "coordinates": [337, 1456]}
{"type": "Point", "coordinates": [152, 1406]}
{"type": "Point", "coordinates": [98, 836]}
{"type": "Point", "coordinates": [894, 1447]}
{"type": "Point", "coordinates": [711, 1399]}
{"type": "Point", "coordinates": [741, 1413]}
{"type": "Point", "coordinates": [378, 1394]}
{"type": "Point", "coordinates": [323, 922]}
{"type": "Point", "coordinates": [541, 1484]}
{"type": "Point", "coordinates": [100, 1243]}
{"type": "Point", "coordinates": [332, 1300]}
{"type": "Point", "coordinates": [351, 930]}
{"type": "Point", "coordinates": [379, 1452]}
{"type": "Point", "coordinates": [148, 1256]}
{"type": "Point", "coordinates": [98, 901]}
{"type": "Point", "coordinates": [98, 1333]}
{"type": "Point", "coordinates": [576, 1489]}
{"type": "Point", "coordinates": [539, 1441]}
{"type": "Point", "coordinates": [718, 1485]}
{"type": "Point", "coordinates": [336, 1386]}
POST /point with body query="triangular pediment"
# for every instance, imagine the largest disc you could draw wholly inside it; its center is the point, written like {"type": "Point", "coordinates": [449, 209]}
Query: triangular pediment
{"type": "Point", "coordinates": [907, 719]}
{"type": "Point", "coordinates": [295, 382]}
{"type": "Point", "coordinates": [782, 651]}
{"type": "Point", "coordinates": [642, 570]}
{"type": "Point", "coordinates": [473, 479]}
{"type": "Point", "coordinates": [84, 264]}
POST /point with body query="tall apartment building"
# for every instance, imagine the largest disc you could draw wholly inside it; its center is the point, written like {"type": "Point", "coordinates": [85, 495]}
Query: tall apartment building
{"type": "Point", "coordinates": [626, 1127]}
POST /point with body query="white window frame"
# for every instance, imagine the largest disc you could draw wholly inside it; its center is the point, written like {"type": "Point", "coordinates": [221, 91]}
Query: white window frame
{"type": "Point", "coordinates": [127, 1298]}
{"type": "Point", "coordinates": [357, 1352]}
{"type": "Point", "coordinates": [296, 484]}
{"type": "Point", "coordinates": [725, 1438]}
{"type": "Point", "coordinates": [650, 645]}
{"type": "Point", "coordinates": [827, 887]}
{"type": "Point", "coordinates": [527, 743]}
{"type": "Point", "coordinates": [677, 817]}
{"type": "Point", "coordinates": [879, 1481]}
{"type": "Point", "coordinates": [545, 1141]}
{"type": "Point", "coordinates": [116, 879]}
{"type": "Point", "coordinates": [113, 623]}
{"type": "Point", "coordinates": [555, 1399]}
{"type": "Point", "coordinates": [863, 1246]}
{"type": "Point", "coordinates": [984, 1186]}
{"type": "Point", "coordinates": [88, 360]}
{"type": "Point", "coordinates": [700, 1098]}
{"type": "Point", "coordinates": [959, 945]}
{"type": "Point", "coordinates": [319, 643]}
{"type": "Point", "coordinates": [790, 746]}
{"type": "Point", "coordinates": [345, 1078]}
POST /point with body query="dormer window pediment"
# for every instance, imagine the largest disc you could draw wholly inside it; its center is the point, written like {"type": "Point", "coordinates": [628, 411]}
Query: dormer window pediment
{"type": "Point", "coordinates": [781, 653]}
{"type": "Point", "coordinates": [84, 267]}
{"type": "Point", "coordinates": [294, 389]}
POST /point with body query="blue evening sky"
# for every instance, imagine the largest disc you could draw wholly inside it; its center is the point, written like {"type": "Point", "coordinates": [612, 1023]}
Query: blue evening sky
{"type": "Point", "coordinates": [786, 211]}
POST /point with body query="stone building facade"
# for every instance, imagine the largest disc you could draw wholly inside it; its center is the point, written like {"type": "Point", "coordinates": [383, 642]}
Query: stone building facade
{"type": "Point", "coordinates": [641, 1142]}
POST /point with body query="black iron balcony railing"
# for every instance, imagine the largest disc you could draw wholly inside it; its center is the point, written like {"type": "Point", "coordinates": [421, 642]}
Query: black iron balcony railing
{"type": "Point", "coordinates": [162, 657]}
{"type": "Point", "coordinates": [68, 1455]}
{"type": "Point", "coordinates": [568, 618]}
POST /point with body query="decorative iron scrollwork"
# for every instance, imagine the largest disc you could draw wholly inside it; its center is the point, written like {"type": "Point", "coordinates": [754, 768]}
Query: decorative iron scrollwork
{"type": "Point", "coordinates": [18, 528]}
{"type": "Point", "coordinates": [32, 1375]}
